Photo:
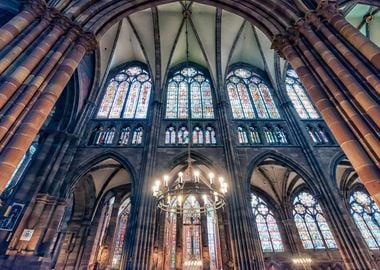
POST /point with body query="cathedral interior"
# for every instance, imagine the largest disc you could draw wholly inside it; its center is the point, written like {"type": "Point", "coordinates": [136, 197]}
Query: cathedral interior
{"type": "Point", "coordinates": [209, 134]}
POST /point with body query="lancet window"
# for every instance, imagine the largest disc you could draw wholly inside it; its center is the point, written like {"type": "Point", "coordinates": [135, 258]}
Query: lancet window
{"type": "Point", "coordinates": [127, 94]}
{"type": "Point", "coordinates": [311, 223]}
{"type": "Point", "coordinates": [298, 97]}
{"type": "Point", "coordinates": [189, 92]}
{"type": "Point", "coordinates": [250, 96]}
{"type": "Point", "coordinates": [267, 227]}
{"type": "Point", "coordinates": [366, 215]}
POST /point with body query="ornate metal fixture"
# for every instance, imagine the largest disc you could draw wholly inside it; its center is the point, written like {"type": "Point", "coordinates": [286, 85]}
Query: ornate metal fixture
{"type": "Point", "coordinates": [189, 186]}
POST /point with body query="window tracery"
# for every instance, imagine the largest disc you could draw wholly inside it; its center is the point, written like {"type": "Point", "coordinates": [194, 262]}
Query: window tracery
{"type": "Point", "coordinates": [250, 96]}
{"type": "Point", "coordinates": [210, 137]}
{"type": "Point", "coordinates": [275, 134]}
{"type": "Point", "coordinates": [242, 135]}
{"type": "Point", "coordinates": [317, 134]}
{"type": "Point", "coordinates": [311, 223]}
{"type": "Point", "coordinates": [127, 95]}
{"type": "Point", "coordinates": [124, 136]}
{"type": "Point", "coordinates": [183, 135]}
{"type": "Point", "coordinates": [137, 136]}
{"type": "Point", "coordinates": [267, 227]}
{"type": "Point", "coordinates": [366, 215]}
{"type": "Point", "coordinates": [119, 239]}
{"type": "Point", "coordinates": [189, 92]}
{"type": "Point", "coordinates": [197, 137]}
{"type": "Point", "coordinates": [170, 135]}
{"type": "Point", "coordinates": [298, 97]}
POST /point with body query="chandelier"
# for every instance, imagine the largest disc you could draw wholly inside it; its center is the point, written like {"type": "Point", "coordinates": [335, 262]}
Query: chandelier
{"type": "Point", "coordinates": [190, 185]}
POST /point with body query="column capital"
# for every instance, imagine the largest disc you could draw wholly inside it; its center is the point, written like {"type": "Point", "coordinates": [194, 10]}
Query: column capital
{"type": "Point", "coordinates": [328, 9]}
{"type": "Point", "coordinates": [279, 42]}
{"type": "Point", "coordinates": [88, 40]}
{"type": "Point", "coordinates": [36, 7]}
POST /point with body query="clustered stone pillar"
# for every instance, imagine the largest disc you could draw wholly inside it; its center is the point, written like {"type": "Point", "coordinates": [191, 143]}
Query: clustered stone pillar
{"type": "Point", "coordinates": [20, 22]}
{"type": "Point", "coordinates": [344, 101]}
{"type": "Point", "coordinates": [28, 96]}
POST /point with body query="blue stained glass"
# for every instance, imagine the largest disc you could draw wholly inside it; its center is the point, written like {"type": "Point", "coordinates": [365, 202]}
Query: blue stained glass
{"type": "Point", "coordinates": [366, 216]}
{"type": "Point", "coordinates": [266, 225]}
{"type": "Point", "coordinates": [311, 224]}
{"type": "Point", "coordinates": [127, 95]}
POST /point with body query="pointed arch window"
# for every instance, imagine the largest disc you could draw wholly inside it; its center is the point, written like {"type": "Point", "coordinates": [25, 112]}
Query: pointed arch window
{"type": "Point", "coordinates": [254, 134]}
{"type": "Point", "coordinates": [170, 135]}
{"type": "Point", "coordinates": [183, 135]}
{"type": "Point", "coordinates": [189, 92]}
{"type": "Point", "coordinates": [124, 136]}
{"type": "Point", "coordinates": [210, 135]}
{"type": "Point", "coordinates": [197, 137]}
{"type": "Point", "coordinates": [317, 134]}
{"type": "Point", "coordinates": [127, 95]}
{"type": "Point", "coordinates": [242, 135]}
{"type": "Point", "coordinates": [121, 228]}
{"type": "Point", "coordinates": [191, 229]}
{"type": "Point", "coordinates": [311, 223]}
{"type": "Point", "coordinates": [275, 134]}
{"type": "Point", "coordinates": [298, 96]}
{"type": "Point", "coordinates": [366, 215]}
{"type": "Point", "coordinates": [137, 135]}
{"type": "Point", "coordinates": [267, 227]}
{"type": "Point", "coordinates": [250, 96]}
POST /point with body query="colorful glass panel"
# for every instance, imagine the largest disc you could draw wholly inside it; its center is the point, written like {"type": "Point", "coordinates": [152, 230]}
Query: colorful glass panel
{"type": "Point", "coordinates": [298, 97]}
{"type": "Point", "coordinates": [366, 215]}
{"type": "Point", "coordinates": [311, 224]}
{"type": "Point", "coordinates": [127, 95]}
{"type": "Point", "coordinates": [189, 92]}
{"type": "Point", "coordinates": [249, 96]}
{"type": "Point", "coordinates": [121, 229]}
{"type": "Point", "coordinates": [267, 227]}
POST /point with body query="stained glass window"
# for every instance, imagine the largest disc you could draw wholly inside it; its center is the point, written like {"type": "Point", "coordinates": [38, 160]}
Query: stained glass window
{"type": "Point", "coordinates": [275, 134]}
{"type": "Point", "coordinates": [183, 135]}
{"type": "Point", "coordinates": [311, 224]}
{"type": "Point", "coordinates": [298, 97]}
{"type": "Point", "coordinates": [170, 135]}
{"type": "Point", "coordinates": [367, 217]}
{"type": "Point", "coordinates": [117, 247]}
{"type": "Point", "coordinates": [137, 135]}
{"type": "Point", "coordinates": [250, 96]}
{"type": "Point", "coordinates": [127, 95]}
{"type": "Point", "coordinates": [191, 233]}
{"type": "Point", "coordinates": [189, 93]}
{"type": "Point", "coordinates": [101, 136]}
{"type": "Point", "coordinates": [197, 137]}
{"type": "Point", "coordinates": [254, 134]}
{"type": "Point", "coordinates": [170, 239]}
{"type": "Point", "coordinates": [124, 136]}
{"type": "Point", "coordinates": [242, 135]}
{"type": "Point", "coordinates": [191, 228]}
{"type": "Point", "coordinates": [210, 135]}
{"type": "Point", "coordinates": [317, 134]}
{"type": "Point", "coordinates": [269, 233]}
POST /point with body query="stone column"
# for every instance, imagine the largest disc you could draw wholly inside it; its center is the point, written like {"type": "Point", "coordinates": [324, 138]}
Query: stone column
{"type": "Point", "coordinates": [362, 163]}
{"type": "Point", "coordinates": [361, 66]}
{"type": "Point", "coordinates": [16, 148]}
{"type": "Point", "coordinates": [12, 119]}
{"type": "Point", "coordinates": [353, 118]}
{"type": "Point", "coordinates": [21, 73]}
{"type": "Point", "coordinates": [26, 41]}
{"type": "Point", "coordinates": [21, 21]}
{"type": "Point", "coordinates": [350, 33]}
{"type": "Point", "coordinates": [364, 101]}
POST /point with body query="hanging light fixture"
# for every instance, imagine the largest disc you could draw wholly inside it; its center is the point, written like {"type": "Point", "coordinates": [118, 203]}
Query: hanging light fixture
{"type": "Point", "coordinates": [189, 184]}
